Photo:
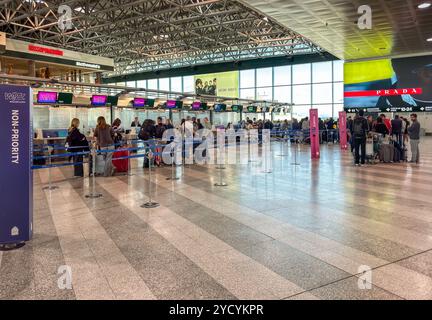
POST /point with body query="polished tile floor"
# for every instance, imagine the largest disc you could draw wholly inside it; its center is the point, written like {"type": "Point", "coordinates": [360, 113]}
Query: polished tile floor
{"type": "Point", "coordinates": [299, 232]}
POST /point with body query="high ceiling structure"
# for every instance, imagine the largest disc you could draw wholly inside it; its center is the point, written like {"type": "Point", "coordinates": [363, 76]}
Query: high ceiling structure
{"type": "Point", "coordinates": [147, 35]}
{"type": "Point", "coordinates": [399, 27]}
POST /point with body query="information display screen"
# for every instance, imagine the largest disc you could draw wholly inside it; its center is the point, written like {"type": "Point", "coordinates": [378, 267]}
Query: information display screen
{"type": "Point", "coordinates": [46, 97]}
{"type": "Point", "coordinates": [112, 100]}
{"type": "Point", "coordinates": [196, 105]}
{"type": "Point", "coordinates": [219, 107]}
{"type": "Point", "coordinates": [252, 109]}
{"type": "Point", "coordinates": [171, 104]}
{"type": "Point", "coordinates": [139, 102]}
{"type": "Point", "coordinates": [98, 100]}
{"type": "Point", "coordinates": [236, 108]}
{"type": "Point", "coordinates": [64, 98]}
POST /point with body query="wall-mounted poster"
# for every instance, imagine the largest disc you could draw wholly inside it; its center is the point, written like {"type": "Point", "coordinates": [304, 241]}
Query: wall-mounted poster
{"type": "Point", "coordinates": [403, 84]}
{"type": "Point", "coordinates": [225, 84]}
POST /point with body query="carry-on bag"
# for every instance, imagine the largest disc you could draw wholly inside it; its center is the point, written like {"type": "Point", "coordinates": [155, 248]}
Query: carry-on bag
{"type": "Point", "coordinates": [386, 153]}
{"type": "Point", "coordinates": [122, 165]}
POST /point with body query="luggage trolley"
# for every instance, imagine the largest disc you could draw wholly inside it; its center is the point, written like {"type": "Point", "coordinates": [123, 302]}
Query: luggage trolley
{"type": "Point", "coordinates": [373, 143]}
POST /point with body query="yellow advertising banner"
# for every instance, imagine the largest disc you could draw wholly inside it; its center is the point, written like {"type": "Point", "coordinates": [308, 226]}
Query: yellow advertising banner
{"type": "Point", "coordinates": [225, 84]}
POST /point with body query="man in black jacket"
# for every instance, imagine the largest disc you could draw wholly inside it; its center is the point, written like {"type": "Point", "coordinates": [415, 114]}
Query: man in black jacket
{"type": "Point", "coordinates": [396, 124]}
{"type": "Point", "coordinates": [359, 131]}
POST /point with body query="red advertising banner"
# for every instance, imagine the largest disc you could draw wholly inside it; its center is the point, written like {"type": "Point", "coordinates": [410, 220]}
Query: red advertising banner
{"type": "Point", "coordinates": [383, 92]}
{"type": "Point", "coordinates": [343, 130]}
{"type": "Point", "coordinates": [314, 134]}
{"type": "Point", "coordinates": [45, 50]}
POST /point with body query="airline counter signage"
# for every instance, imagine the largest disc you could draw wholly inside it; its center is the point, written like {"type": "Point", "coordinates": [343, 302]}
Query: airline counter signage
{"type": "Point", "coordinates": [16, 188]}
{"type": "Point", "coordinates": [343, 130]}
{"type": "Point", "coordinates": [314, 134]}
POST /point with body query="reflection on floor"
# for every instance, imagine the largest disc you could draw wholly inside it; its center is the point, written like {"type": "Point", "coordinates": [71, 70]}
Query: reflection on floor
{"type": "Point", "coordinates": [300, 232]}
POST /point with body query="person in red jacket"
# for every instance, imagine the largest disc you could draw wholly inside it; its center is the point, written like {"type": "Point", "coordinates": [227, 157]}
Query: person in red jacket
{"type": "Point", "coordinates": [386, 122]}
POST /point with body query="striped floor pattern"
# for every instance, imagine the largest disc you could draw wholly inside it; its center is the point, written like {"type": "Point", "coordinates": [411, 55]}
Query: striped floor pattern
{"type": "Point", "coordinates": [299, 232]}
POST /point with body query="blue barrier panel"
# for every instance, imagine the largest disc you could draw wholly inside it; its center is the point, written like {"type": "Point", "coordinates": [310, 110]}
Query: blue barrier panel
{"type": "Point", "coordinates": [16, 187]}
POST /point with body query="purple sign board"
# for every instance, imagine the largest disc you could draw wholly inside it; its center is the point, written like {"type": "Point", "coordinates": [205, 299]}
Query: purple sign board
{"type": "Point", "coordinates": [99, 101]}
{"type": "Point", "coordinates": [46, 97]}
{"type": "Point", "coordinates": [16, 188]}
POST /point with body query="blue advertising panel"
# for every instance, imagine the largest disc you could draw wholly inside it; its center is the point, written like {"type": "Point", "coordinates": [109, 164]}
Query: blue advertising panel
{"type": "Point", "coordinates": [16, 186]}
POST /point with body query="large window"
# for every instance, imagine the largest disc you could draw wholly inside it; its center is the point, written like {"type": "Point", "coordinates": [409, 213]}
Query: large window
{"type": "Point", "coordinates": [264, 93]}
{"type": "Point", "coordinates": [301, 73]}
{"type": "Point", "coordinates": [247, 79]}
{"type": "Point", "coordinates": [142, 84]}
{"type": "Point", "coordinates": [164, 84]}
{"type": "Point", "coordinates": [282, 76]}
{"type": "Point", "coordinates": [302, 94]}
{"type": "Point", "coordinates": [176, 84]}
{"type": "Point", "coordinates": [282, 94]}
{"type": "Point", "coordinates": [188, 84]}
{"type": "Point", "coordinates": [264, 77]}
{"type": "Point", "coordinates": [311, 85]}
{"type": "Point", "coordinates": [322, 93]}
{"type": "Point", "coordinates": [152, 84]}
{"type": "Point", "coordinates": [322, 72]}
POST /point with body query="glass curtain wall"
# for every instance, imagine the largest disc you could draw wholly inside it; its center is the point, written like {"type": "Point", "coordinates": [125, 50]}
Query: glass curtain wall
{"type": "Point", "coordinates": [310, 85]}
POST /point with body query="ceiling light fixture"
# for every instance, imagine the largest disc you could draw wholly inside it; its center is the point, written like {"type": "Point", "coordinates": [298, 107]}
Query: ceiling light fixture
{"type": "Point", "coordinates": [424, 5]}
{"type": "Point", "coordinates": [429, 40]}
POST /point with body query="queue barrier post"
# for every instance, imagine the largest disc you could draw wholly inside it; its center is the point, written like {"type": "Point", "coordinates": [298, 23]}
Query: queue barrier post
{"type": "Point", "coordinates": [50, 186]}
{"type": "Point", "coordinates": [220, 183]}
{"type": "Point", "coordinates": [93, 194]}
{"type": "Point", "coordinates": [174, 176]}
{"type": "Point", "coordinates": [129, 171]}
{"type": "Point", "coordinates": [295, 163]}
{"type": "Point", "coordinates": [150, 204]}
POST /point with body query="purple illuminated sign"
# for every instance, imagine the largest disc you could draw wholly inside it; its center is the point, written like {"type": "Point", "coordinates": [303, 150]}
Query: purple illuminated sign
{"type": "Point", "coordinates": [46, 97]}
{"type": "Point", "coordinates": [139, 102]}
{"type": "Point", "coordinates": [16, 190]}
{"type": "Point", "coordinates": [171, 104]}
{"type": "Point", "coordinates": [98, 101]}
{"type": "Point", "coordinates": [196, 105]}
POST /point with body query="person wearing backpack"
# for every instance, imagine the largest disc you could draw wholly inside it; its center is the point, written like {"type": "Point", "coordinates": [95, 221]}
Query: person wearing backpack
{"type": "Point", "coordinates": [360, 128]}
{"type": "Point", "coordinates": [147, 134]}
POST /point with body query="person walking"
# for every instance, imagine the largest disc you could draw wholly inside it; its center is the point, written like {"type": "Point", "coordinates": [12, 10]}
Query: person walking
{"type": "Point", "coordinates": [77, 143]}
{"type": "Point", "coordinates": [414, 135]}
{"type": "Point", "coordinates": [360, 128]}
{"type": "Point", "coordinates": [105, 140]}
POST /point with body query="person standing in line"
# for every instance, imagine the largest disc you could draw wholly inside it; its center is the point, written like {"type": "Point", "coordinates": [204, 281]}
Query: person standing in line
{"type": "Point", "coordinates": [168, 124]}
{"type": "Point", "coordinates": [370, 123]}
{"type": "Point", "coordinates": [387, 122]}
{"type": "Point", "coordinates": [360, 129]}
{"type": "Point", "coordinates": [405, 131]}
{"type": "Point", "coordinates": [414, 135]}
{"type": "Point", "coordinates": [207, 124]}
{"type": "Point", "coordinates": [76, 140]}
{"type": "Point", "coordinates": [118, 130]}
{"type": "Point", "coordinates": [396, 125]}
{"type": "Point", "coordinates": [136, 123]}
{"type": "Point", "coordinates": [159, 128]}
{"type": "Point", "coordinates": [105, 140]}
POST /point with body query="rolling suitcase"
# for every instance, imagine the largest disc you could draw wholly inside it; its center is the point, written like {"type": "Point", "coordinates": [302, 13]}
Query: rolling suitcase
{"type": "Point", "coordinates": [122, 165]}
{"type": "Point", "coordinates": [386, 153]}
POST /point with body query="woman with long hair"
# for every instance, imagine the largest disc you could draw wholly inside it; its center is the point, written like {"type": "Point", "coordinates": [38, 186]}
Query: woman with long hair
{"type": "Point", "coordinates": [105, 141]}
{"type": "Point", "coordinates": [118, 130]}
{"type": "Point", "coordinates": [77, 143]}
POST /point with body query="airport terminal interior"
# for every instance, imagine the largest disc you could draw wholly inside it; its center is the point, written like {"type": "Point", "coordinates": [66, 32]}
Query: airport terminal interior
{"type": "Point", "coordinates": [216, 150]}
